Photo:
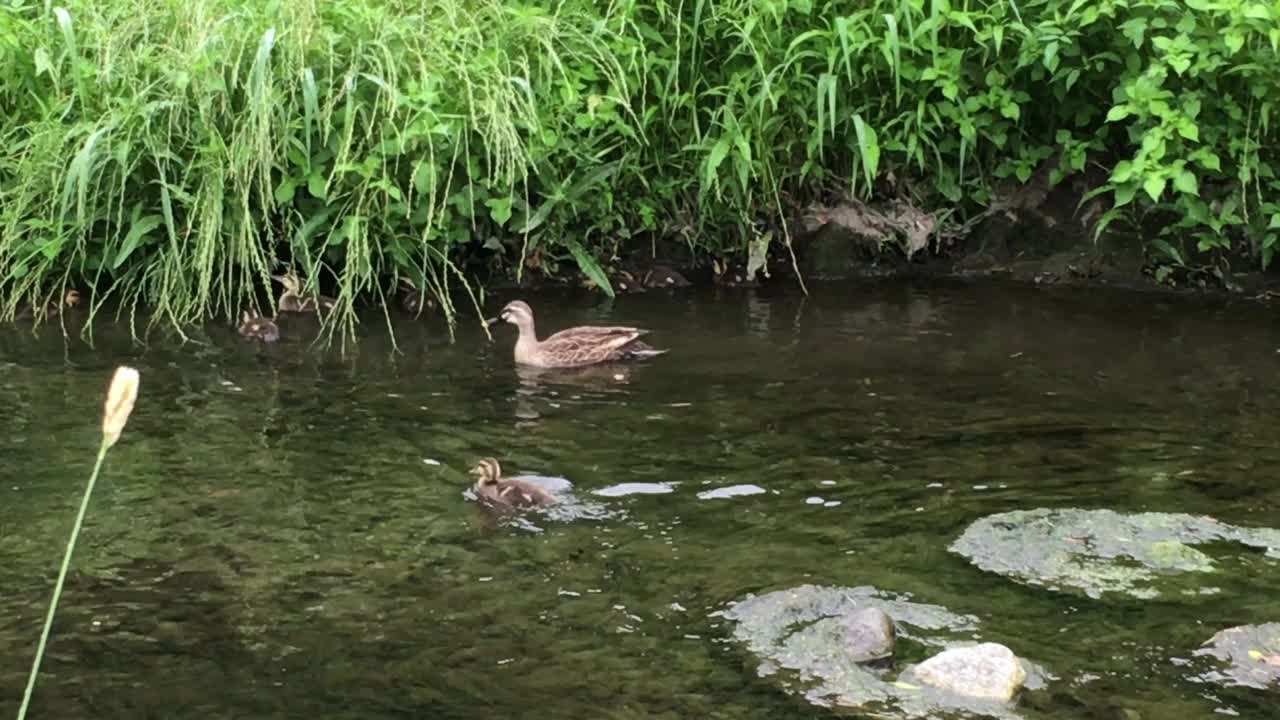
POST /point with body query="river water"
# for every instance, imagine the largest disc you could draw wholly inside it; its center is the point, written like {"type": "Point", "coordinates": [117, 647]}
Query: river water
{"type": "Point", "coordinates": [283, 533]}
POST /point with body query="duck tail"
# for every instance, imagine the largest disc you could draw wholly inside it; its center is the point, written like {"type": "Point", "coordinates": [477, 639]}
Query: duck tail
{"type": "Point", "coordinates": [641, 352]}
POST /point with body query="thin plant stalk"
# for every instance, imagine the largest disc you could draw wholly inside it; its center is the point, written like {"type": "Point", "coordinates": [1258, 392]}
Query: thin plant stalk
{"type": "Point", "coordinates": [62, 577]}
{"type": "Point", "coordinates": [121, 396]}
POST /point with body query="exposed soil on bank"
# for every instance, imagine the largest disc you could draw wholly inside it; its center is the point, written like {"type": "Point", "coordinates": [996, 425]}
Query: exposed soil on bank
{"type": "Point", "coordinates": [1031, 234]}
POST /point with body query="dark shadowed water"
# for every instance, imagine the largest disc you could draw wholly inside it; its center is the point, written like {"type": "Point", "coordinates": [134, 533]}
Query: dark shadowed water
{"type": "Point", "coordinates": [282, 533]}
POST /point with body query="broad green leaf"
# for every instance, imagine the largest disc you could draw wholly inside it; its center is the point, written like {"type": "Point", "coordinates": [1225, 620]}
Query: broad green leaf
{"type": "Point", "coordinates": [135, 237]}
{"type": "Point", "coordinates": [868, 148]}
{"type": "Point", "coordinates": [589, 180]}
{"type": "Point", "coordinates": [1154, 185]}
{"type": "Point", "coordinates": [43, 64]}
{"type": "Point", "coordinates": [590, 267]}
{"type": "Point", "coordinates": [1135, 30]}
{"type": "Point", "coordinates": [1168, 250]}
{"type": "Point", "coordinates": [424, 178]}
{"type": "Point", "coordinates": [744, 148]}
{"type": "Point", "coordinates": [1124, 194]}
{"type": "Point", "coordinates": [315, 185]}
{"type": "Point", "coordinates": [1051, 56]}
{"type": "Point", "coordinates": [499, 209]}
{"type": "Point", "coordinates": [1119, 112]}
{"type": "Point", "coordinates": [285, 190]}
{"type": "Point", "coordinates": [1186, 182]}
{"type": "Point", "coordinates": [1188, 129]}
{"type": "Point", "coordinates": [718, 153]}
{"type": "Point", "coordinates": [1122, 172]}
{"type": "Point", "coordinates": [1210, 161]}
{"type": "Point", "coordinates": [1257, 11]}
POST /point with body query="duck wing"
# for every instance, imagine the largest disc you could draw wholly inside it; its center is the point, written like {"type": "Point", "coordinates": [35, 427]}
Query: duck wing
{"type": "Point", "coordinates": [522, 494]}
{"type": "Point", "coordinates": [592, 344]}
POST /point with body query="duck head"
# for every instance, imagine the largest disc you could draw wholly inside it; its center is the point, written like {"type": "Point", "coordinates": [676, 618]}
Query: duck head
{"type": "Point", "coordinates": [516, 312]}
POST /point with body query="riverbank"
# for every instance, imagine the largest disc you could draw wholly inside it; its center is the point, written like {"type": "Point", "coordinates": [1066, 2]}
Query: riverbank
{"type": "Point", "coordinates": [177, 155]}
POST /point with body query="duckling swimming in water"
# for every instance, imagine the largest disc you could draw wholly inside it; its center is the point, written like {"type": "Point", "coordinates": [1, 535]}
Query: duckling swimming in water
{"type": "Point", "coordinates": [256, 327]}
{"type": "Point", "coordinates": [492, 489]}
{"type": "Point", "coordinates": [292, 300]}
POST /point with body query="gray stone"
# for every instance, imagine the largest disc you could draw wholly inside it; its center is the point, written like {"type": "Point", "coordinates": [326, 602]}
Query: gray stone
{"type": "Point", "coordinates": [803, 636]}
{"type": "Point", "coordinates": [988, 671]}
{"type": "Point", "coordinates": [1247, 655]}
{"type": "Point", "coordinates": [869, 634]}
{"type": "Point", "coordinates": [1101, 551]}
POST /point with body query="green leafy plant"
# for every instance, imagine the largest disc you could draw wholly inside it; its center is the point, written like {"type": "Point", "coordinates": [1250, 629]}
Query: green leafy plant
{"type": "Point", "coordinates": [175, 155]}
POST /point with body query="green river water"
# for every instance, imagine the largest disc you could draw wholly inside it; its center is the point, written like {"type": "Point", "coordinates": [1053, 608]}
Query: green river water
{"type": "Point", "coordinates": [282, 532]}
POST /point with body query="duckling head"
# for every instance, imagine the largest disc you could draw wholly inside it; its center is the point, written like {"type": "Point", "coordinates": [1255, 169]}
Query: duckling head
{"type": "Point", "coordinates": [487, 472]}
{"type": "Point", "coordinates": [290, 281]}
{"type": "Point", "coordinates": [253, 325]}
{"type": "Point", "coordinates": [71, 298]}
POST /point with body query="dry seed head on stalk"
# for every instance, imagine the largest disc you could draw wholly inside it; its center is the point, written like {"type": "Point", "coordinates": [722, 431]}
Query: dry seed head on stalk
{"type": "Point", "coordinates": [120, 398]}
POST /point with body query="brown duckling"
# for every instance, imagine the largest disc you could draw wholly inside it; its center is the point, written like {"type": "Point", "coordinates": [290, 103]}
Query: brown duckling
{"type": "Point", "coordinates": [731, 274]}
{"type": "Point", "coordinates": [625, 282]}
{"type": "Point", "coordinates": [412, 299]}
{"type": "Point", "coordinates": [256, 327]}
{"type": "Point", "coordinates": [574, 347]}
{"type": "Point", "coordinates": [661, 276]}
{"type": "Point", "coordinates": [50, 309]}
{"type": "Point", "coordinates": [292, 299]}
{"type": "Point", "coordinates": [492, 489]}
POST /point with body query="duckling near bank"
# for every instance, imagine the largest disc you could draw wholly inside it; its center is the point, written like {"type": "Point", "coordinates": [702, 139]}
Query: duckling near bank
{"type": "Point", "coordinates": [492, 489]}
{"type": "Point", "coordinates": [412, 299]}
{"type": "Point", "coordinates": [256, 327]}
{"type": "Point", "coordinates": [292, 300]}
{"type": "Point", "coordinates": [70, 299]}
{"type": "Point", "coordinates": [574, 347]}
{"type": "Point", "coordinates": [661, 276]}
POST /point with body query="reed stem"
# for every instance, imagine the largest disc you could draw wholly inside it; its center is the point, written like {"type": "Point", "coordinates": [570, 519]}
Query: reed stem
{"type": "Point", "coordinates": [62, 576]}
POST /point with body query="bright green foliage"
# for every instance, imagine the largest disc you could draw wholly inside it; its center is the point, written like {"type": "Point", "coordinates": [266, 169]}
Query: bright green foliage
{"type": "Point", "coordinates": [176, 152]}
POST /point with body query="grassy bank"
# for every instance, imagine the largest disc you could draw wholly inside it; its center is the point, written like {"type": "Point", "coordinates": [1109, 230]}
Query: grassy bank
{"type": "Point", "coordinates": [175, 153]}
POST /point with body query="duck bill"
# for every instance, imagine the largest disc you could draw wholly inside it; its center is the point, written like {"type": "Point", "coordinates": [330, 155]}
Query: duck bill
{"type": "Point", "coordinates": [491, 321]}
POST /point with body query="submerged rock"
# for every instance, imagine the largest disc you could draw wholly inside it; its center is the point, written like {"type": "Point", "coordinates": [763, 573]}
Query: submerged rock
{"type": "Point", "coordinates": [868, 634]}
{"type": "Point", "coordinates": [1249, 655]}
{"type": "Point", "coordinates": [989, 671]}
{"type": "Point", "coordinates": [1100, 551]}
{"type": "Point", "coordinates": [822, 637]}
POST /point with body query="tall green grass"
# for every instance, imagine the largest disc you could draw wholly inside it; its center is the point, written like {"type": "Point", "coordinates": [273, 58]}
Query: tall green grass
{"type": "Point", "coordinates": [172, 154]}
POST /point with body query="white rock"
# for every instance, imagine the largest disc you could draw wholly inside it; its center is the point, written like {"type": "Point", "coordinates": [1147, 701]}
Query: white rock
{"type": "Point", "coordinates": [990, 671]}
